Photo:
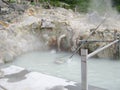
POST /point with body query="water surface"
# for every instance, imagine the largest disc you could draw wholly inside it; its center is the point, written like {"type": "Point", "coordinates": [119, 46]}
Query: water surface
{"type": "Point", "coordinates": [104, 73]}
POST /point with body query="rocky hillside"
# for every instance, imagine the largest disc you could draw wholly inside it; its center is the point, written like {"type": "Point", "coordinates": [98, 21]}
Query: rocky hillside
{"type": "Point", "coordinates": [43, 29]}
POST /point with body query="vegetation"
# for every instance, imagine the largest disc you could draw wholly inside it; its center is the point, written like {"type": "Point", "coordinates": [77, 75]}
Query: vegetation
{"type": "Point", "coordinates": [116, 3]}
{"type": "Point", "coordinates": [80, 5]}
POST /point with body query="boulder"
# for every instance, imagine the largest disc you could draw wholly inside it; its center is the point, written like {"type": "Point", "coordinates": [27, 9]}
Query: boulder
{"type": "Point", "coordinates": [2, 4]}
{"type": "Point", "coordinates": [8, 56]}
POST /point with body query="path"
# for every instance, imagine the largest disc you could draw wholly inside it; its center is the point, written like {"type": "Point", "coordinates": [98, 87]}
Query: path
{"type": "Point", "coordinates": [17, 78]}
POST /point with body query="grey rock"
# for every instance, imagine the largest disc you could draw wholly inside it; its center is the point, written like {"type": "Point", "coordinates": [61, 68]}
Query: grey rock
{"type": "Point", "coordinates": [8, 57]}
{"type": "Point", "coordinates": [1, 74]}
{"type": "Point", "coordinates": [2, 4]}
{"type": "Point", "coordinates": [1, 60]}
{"type": "Point", "coordinates": [60, 87]}
{"type": "Point", "coordinates": [18, 7]}
{"type": "Point", "coordinates": [46, 24]}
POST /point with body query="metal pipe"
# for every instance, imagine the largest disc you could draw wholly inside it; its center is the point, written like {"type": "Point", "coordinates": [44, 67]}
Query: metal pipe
{"type": "Point", "coordinates": [87, 39]}
{"type": "Point", "coordinates": [84, 78]}
{"type": "Point", "coordinates": [100, 49]}
{"type": "Point", "coordinates": [95, 40]}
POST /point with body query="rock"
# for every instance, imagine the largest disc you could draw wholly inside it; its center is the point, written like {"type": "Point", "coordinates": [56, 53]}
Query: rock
{"type": "Point", "coordinates": [1, 60]}
{"type": "Point", "coordinates": [59, 87]}
{"type": "Point", "coordinates": [1, 74]}
{"type": "Point", "coordinates": [47, 24]}
{"type": "Point", "coordinates": [43, 29]}
{"type": "Point", "coordinates": [53, 51]}
{"type": "Point", "coordinates": [4, 10]}
{"type": "Point", "coordinates": [2, 4]}
{"type": "Point", "coordinates": [8, 57]}
{"type": "Point", "coordinates": [52, 42]}
{"type": "Point", "coordinates": [36, 25]}
{"type": "Point", "coordinates": [4, 24]}
{"type": "Point", "coordinates": [18, 7]}
{"type": "Point", "coordinates": [31, 12]}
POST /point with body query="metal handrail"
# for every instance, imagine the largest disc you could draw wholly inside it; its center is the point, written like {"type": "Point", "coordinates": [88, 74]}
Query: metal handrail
{"type": "Point", "coordinates": [95, 40]}
{"type": "Point", "coordinates": [84, 57]}
{"type": "Point", "coordinates": [100, 49]}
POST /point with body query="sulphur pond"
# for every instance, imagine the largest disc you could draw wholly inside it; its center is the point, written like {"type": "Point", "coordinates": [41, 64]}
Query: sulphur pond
{"type": "Point", "coordinates": [104, 73]}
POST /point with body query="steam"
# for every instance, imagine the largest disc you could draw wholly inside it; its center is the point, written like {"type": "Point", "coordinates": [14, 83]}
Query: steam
{"type": "Point", "coordinates": [102, 7]}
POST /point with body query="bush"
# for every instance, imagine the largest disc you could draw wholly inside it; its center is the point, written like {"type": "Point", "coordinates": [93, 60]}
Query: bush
{"type": "Point", "coordinates": [116, 3]}
{"type": "Point", "coordinates": [81, 5]}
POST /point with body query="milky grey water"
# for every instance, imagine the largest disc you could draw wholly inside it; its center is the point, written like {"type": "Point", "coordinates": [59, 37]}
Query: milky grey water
{"type": "Point", "coordinates": [103, 73]}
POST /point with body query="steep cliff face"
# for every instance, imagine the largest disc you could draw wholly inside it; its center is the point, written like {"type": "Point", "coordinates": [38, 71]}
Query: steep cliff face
{"type": "Point", "coordinates": [61, 29]}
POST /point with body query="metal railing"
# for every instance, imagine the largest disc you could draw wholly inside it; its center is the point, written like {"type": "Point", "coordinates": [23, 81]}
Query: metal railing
{"type": "Point", "coordinates": [85, 56]}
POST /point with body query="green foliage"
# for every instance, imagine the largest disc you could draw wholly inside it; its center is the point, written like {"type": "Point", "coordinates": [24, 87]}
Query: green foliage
{"type": "Point", "coordinates": [118, 8]}
{"type": "Point", "coordinates": [55, 3]}
{"type": "Point", "coordinates": [116, 3]}
{"type": "Point", "coordinates": [12, 1]}
{"type": "Point", "coordinates": [32, 3]}
{"type": "Point", "coordinates": [81, 5]}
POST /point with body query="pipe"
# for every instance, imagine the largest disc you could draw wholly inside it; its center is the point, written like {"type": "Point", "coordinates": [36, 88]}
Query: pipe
{"type": "Point", "coordinates": [100, 49]}
{"type": "Point", "coordinates": [95, 40]}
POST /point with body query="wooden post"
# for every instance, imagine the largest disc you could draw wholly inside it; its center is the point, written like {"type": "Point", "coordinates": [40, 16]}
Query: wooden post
{"type": "Point", "coordinates": [84, 83]}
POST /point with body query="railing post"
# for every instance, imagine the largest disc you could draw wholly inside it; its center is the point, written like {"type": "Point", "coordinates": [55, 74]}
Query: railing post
{"type": "Point", "coordinates": [117, 51]}
{"type": "Point", "coordinates": [119, 44]}
{"type": "Point", "coordinates": [84, 83]}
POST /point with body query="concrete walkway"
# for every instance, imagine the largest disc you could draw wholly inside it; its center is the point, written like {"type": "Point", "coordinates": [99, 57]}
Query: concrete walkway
{"type": "Point", "coordinates": [17, 78]}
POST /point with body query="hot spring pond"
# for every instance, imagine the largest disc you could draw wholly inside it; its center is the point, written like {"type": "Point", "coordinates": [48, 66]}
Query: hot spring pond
{"type": "Point", "coordinates": [104, 73]}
